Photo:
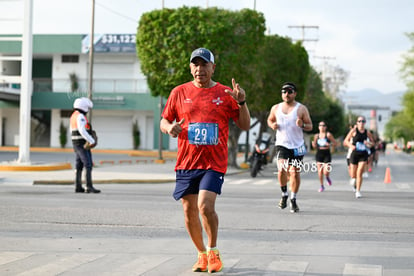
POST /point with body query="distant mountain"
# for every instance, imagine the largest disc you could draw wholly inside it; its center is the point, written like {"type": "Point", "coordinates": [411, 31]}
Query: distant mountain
{"type": "Point", "coordinates": [374, 97]}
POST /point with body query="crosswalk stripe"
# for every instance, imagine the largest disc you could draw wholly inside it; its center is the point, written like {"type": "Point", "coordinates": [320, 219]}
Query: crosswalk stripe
{"type": "Point", "coordinates": [8, 257]}
{"type": "Point", "coordinates": [142, 264]}
{"type": "Point", "coordinates": [229, 263]}
{"type": "Point", "coordinates": [262, 182]}
{"type": "Point", "coordinates": [238, 181]}
{"type": "Point", "coordinates": [138, 266]}
{"type": "Point", "coordinates": [362, 270]}
{"type": "Point", "coordinates": [249, 181]}
{"type": "Point", "coordinates": [287, 266]}
{"type": "Point", "coordinates": [61, 265]}
{"type": "Point", "coordinates": [16, 182]}
{"type": "Point", "coordinates": [403, 186]}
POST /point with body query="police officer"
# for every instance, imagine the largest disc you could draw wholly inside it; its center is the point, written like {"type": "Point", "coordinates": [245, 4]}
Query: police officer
{"type": "Point", "coordinates": [83, 139]}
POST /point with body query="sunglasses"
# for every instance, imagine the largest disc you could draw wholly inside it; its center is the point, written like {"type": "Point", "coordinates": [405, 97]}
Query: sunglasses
{"type": "Point", "coordinates": [362, 121]}
{"type": "Point", "coordinates": [289, 91]}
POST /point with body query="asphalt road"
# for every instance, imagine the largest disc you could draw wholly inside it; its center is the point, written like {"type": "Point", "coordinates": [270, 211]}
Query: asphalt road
{"type": "Point", "coordinates": [139, 230]}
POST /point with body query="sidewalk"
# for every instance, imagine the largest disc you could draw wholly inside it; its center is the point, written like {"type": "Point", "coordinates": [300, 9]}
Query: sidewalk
{"type": "Point", "coordinates": [137, 173]}
{"type": "Point", "coordinates": [147, 170]}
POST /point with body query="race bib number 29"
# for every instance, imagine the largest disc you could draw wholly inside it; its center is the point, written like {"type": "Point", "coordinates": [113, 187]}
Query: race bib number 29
{"type": "Point", "coordinates": [203, 133]}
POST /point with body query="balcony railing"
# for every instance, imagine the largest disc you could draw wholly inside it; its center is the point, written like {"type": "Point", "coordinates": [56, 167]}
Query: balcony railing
{"type": "Point", "coordinates": [99, 85]}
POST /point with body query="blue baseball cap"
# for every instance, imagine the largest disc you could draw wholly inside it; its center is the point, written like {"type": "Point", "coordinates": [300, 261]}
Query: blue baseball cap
{"type": "Point", "coordinates": [203, 53]}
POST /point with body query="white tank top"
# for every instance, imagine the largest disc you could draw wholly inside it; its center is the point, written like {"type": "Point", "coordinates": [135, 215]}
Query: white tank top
{"type": "Point", "coordinates": [288, 134]}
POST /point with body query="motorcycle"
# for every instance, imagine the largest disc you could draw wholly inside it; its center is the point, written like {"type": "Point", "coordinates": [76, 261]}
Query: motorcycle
{"type": "Point", "coordinates": [259, 156]}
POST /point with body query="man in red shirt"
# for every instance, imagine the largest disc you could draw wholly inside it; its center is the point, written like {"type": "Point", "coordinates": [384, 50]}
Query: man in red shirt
{"type": "Point", "coordinates": [198, 113]}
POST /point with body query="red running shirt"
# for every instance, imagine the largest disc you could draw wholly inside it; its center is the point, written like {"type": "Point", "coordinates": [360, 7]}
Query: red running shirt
{"type": "Point", "coordinates": [204, 109]}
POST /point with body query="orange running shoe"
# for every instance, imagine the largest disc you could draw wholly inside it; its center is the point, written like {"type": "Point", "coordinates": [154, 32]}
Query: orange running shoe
{"type": "Point", "coordinates": [214, 261]}
{"type": "Point", "coordinates": [201, 264]}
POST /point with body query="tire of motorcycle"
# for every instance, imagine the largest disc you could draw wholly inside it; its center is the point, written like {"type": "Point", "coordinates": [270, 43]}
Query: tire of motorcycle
{"type": "Point", "coordinates": [255, 167]}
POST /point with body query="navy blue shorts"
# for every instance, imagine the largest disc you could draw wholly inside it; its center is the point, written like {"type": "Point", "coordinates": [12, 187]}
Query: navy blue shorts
{"type": "Point", "coordinates": [192, 181]}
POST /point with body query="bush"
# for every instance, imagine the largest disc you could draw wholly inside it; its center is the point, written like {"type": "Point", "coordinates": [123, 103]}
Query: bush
{"type": "Point", "coordinates": [63, 136]}
{"type": "Point", "coordinates": [136, 135]}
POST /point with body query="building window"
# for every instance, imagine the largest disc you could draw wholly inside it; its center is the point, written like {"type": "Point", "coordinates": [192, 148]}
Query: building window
{"type": "Point", "coordinates": [66, 113]}
{"type": "Point", "coordinates": [70, 59]}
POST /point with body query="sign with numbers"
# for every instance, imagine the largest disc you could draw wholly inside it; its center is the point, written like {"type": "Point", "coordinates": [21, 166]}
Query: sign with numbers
{"type": "Point", "coordinates": [203, 133]}
{"type": "Point", "coordinates": [110, 43]}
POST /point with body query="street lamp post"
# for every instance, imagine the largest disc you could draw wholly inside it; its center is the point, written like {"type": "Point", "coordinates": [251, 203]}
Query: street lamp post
{"type": "Point", "coordinates": [160, 159]}
{"type": "Point", "coordinates": [26, 85]}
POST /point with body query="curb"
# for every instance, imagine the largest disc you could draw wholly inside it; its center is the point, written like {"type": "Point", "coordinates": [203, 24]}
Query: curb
{"type": "Point", "coordinates": [36, 167]}
{"type": "Point", "coordinates": [167, 155]}
{"type": "Point", "coordinates": [106, 181]}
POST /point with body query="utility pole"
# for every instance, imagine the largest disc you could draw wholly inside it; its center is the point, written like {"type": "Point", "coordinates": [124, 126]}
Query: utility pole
{"type": "Point", "coordinates": [325, 63]}
{"type": "Point", "coordinates": [247, 143]}
{"type": "Point", "coordinates": [91, 52]}
{"type": "Point", "coordinates": [303, 36]}
{"type": "Point", "coordinates": [304, 27]}
{"type": "Point", "coordinates": [328, 78]}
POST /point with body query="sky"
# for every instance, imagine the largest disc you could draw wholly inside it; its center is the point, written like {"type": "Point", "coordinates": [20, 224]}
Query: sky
{"type": "Point", "coordinates": [366, 38]}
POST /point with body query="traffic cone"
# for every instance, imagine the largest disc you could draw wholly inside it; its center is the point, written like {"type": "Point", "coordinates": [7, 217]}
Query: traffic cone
{"type": "Point", "coordinates": [387, 178]}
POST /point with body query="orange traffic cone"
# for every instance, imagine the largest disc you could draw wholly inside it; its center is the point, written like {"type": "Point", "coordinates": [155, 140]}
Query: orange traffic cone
{"type": "Point", "coordinates": [387, 178]}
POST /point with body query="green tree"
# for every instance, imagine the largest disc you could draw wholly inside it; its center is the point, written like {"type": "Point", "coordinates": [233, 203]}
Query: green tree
{"type": "Point", "coordinates": [165, 39]}
{"type": "Point", "coordinates": [315, 98]}
{"type": "Point", "coordinates": [335, 118]}
{"type": "Point", "coordinates": [408, 103]}
{"type": "Point", "coordinates": [323, 107]}
{"type": "Point", "coordinates": [407, 73]}
{"type": "Point", "coordinates": [407, 67]}
{"type": "Point", "coordinates": [279, 61]}
{"type": "Point", "coordinates": [399, 127]}
{"type": "Point", "coordinates": [402, 124]}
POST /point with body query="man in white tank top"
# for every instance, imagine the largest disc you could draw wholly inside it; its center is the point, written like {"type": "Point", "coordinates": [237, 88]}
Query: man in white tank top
{"type": "Point", "coordinates": [289, 118]}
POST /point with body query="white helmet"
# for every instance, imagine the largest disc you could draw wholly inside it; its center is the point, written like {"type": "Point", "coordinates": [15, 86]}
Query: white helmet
{"type": "Point", "coordinates": [83, 104]}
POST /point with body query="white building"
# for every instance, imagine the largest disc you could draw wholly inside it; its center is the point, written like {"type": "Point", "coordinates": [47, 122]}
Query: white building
{"type": "Point", "coordinates": [60, 75]}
